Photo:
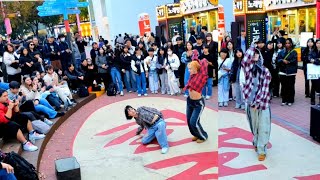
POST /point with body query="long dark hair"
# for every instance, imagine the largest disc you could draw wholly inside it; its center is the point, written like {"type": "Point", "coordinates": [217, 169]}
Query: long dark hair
{"type": "Point", "coordinates": [189, 42]}
{"type": "Point", "coordinates": [162, 49]}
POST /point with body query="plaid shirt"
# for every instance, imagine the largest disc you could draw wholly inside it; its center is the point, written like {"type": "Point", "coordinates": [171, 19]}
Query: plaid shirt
{"type": "Point", "coordinates": [146, 115]}
{"type": "Point", "coordinates": [262, 97]}
{"type": "Point", "coordinates": [198, 81]}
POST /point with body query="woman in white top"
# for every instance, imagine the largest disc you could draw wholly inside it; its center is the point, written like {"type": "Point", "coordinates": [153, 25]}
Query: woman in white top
{"type": "Point", "coordinates": [172, 67]}
{"type": "Point", "coordinates": [224, 65]}
{"type": "Point", "coordinates": [137, 66]}
{"type": "Point", "coordinates": [12, 64]}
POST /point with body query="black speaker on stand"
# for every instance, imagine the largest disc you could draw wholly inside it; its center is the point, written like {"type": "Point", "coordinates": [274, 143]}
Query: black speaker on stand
{"type": "Point", "coordinates": [315, 122]}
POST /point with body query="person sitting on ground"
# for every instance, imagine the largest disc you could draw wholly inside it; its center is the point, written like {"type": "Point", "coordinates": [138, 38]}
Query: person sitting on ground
{"type": "Point", "coordinates": [60, 87]}
{"type": "Point", "coordinates": [12, 123]}
{"type": "Point", "coordinates": [30, 91]}
{"type": "Point", "coordinates": [54, 99]}
{"type": "Point", "coordinates": [75, 78]}
{"type": "Point", "coordinates": [152, 120]}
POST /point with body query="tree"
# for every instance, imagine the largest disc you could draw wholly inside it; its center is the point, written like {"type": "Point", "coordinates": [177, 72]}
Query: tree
{"type": "Point", "coordinates": [50, 22]}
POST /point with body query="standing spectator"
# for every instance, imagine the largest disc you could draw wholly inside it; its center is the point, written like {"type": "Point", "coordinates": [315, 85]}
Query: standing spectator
{"type": "Point", "coordinates": [82, 47]}
{"type": "Point", "coordinates": [275, 81]}
{"type": "Point", "coordinates": [288, 65]}
{"type": "Point", "coordinates": [236, 73]}
{"type": "Point", "coordinates": [315, 83]}
{"type": "Point", "coordinates": [76, 52]}
{"type": "Point", "coordinates": [126, 58]}
{"type": "Point", "coordinates": [52, 53]}
{"type": "Point", "coordinates": [94, 53]}
{"type": "Point", "coordinates": [224, 41]}
{"type": "Point", "coordinates": [36, 57]}
{"type": "Point", "coordinates": [66, 53]}
{"type": "Point", "coordinates": [179, 48]}
{"type": "Point", "coordinates": [204, 32]}
{"type": "Point", "coordinates": [26, 63]}
{"type": "Point", "coordinates": [192, 37]}
{"type": "Point", "coordinates": [12, 64]}
{"type": "Point", "coordinates": [242, 41]}
{"type": "Point", "coordinates": [161, 64]}
{"type": "Point", "coordinates": [224, 69]}
{"type": "Point", "coordinates": [206, 56]}
{"type": "Point", "coordinates": [173, 63]}
{"type": "Point", "coordinates": [114, 64]}
{"type": "Point", "coordinates": [212, 50]}
{"type": "Point", "coordinates": [174, 38]}
{"type": "Point", "coordinates": [150, 66]}
{"type": "Point", "coordinates": [306, 53]}
{"type": "Point", "coordinates": [102, 65]}
{"type": "Point", "coordinates": [199, 45]}
{"type": "Point", "coordinates": [137, 66]}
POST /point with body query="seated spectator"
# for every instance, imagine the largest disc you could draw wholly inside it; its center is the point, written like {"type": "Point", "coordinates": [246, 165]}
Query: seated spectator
{"type": "Point", "coordinates": [54, 99]}
{"type": "Point", "coordinates": [75, 78]}
{"type": "Point", "coordinates": [60, 86]}
{"type": "Point", "coordinates": [6, 172]}
{"type": "Point", "coordinates": [31, 92]}
{"type": "Point", "coordinates": [26, 63]}
{"type": "Point", "coordinates": [90, 75]}
{"type": "Point", "coordinates": [12, 123]}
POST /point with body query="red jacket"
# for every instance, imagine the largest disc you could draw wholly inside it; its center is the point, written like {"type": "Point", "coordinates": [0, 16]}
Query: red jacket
{"type": "Point", "coordinates": [3, 111]}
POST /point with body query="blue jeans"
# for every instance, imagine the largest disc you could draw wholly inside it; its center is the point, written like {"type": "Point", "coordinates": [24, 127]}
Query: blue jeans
{"type": "Point", "coordinates": [127, 80]}
{"type": "Point", "coordinates": [186, 78]}
{"type": "Point", "coordinates": [46, 108]}
{"type": "Point", "coordinates": [5, 176]}
{"type": "Point", "coordinates": [141, 83]}
{"type": "Point", "coordinates": [133, 80]}
{"type": "Point", "coordinates": [207, 89]}
{"type": "Point", "coordinates": [116, 78]}
{"type": "Point", "coordinates": [77, 63]}
{"type": "Point", "coordinates": [194, 111]}
{"type": "Point", "coordinates": [158, 130]}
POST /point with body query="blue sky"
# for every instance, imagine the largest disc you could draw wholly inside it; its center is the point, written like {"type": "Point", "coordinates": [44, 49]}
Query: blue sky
{"type": "Point", "coordinates": [228, 12]}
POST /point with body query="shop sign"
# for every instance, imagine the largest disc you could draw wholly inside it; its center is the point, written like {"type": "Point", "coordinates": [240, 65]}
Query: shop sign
{"type": "Point", "coordinates": [238, 6]}
{"type": "Point", "coordinates": [284, 4]}
{"type": "Point", "coordinates": [193, 6]}
{"type": "Point", "coordinates": [173, 10]}
{"type": "Point", "coordinates": [255, 30]}
{"type": "Point", "coordinates": [255, 5]}
{"type": "Point", "coordinates": [161, 12]}
{"type": "Point", "coordinates": [175, 28]}
{"type": "Point", "coordinates": [144, 23]}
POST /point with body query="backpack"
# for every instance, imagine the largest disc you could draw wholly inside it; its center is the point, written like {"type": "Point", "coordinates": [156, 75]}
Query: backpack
{"type": "Point", "coordinates": [23, 170]}
{"type": "Point", "coordinates": [83, 91]}
{"type": "Point", "coordinates": [112, 90]}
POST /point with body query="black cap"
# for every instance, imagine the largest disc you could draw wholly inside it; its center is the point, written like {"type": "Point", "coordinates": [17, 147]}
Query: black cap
{"type": "Point", "coordinates": [179, 38]}
{"type": "Point", "coordinates": [198, 37]}
{"type": "Point", "coordinates": [61, 35]}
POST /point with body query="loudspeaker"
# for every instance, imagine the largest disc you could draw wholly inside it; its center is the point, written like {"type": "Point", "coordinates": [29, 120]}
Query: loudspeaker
{"type": "Point", "coordinates": [315, 122]}
{"type": "Point", "coordinates": [68, 169]}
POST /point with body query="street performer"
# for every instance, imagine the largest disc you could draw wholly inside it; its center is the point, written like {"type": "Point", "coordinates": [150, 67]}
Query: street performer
{"type": "Point", "coordinates": [257, 98]}
{"type": "Point", "coordinates": [152, 120]}
{"type": "Point", "coordinates": [195, 102]}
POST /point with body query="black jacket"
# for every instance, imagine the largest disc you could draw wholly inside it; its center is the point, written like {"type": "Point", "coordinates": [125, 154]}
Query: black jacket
{"type": "Point", "coordinates": [48, 48]}
{"type": "Point", "coordinates": [292, 66]}
{"type": "Point", "coordinates": [268, 59]}
{"type": "Point", "coordinates": [125, 61]}
{"type": "Point", "coordinates": [316, 56]}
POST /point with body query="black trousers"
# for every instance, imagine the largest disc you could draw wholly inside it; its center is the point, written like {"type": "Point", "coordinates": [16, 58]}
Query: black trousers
{"type": "Point", "coordinates": [315, 87]}
{"type": "Point", "coordinates": [287, 88]}
{"type": "Point", "coordinates": [306, 82]}
{"type": "Point", "coordinates": [275, 82]}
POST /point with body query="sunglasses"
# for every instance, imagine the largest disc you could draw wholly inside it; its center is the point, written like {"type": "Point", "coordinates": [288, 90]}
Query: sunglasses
{"type": "Point", "coordinates": [31, 44]}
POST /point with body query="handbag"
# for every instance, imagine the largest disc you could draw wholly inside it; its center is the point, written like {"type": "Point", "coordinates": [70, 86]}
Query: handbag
{"type": "Point", "coordinates": [219, 74]}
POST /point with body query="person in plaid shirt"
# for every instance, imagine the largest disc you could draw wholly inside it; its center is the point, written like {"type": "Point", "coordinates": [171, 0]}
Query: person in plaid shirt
{"type": "Point", "coordinates": [195, 102]}
{"type": "Point", "coordinates": [257, 97]}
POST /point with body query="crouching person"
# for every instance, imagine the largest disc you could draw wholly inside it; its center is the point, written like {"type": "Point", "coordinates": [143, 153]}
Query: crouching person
{"type": "Point", "coordinates": [11, 123]}
{"type": "Point", "coordinates": [153, 121]}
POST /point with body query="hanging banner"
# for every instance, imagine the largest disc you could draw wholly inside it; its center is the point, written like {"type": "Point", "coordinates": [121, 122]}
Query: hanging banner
{"type": "Point", "coordinates": [221, 22]}
{"type": "Point", "coordinates": [8, 25]}
{"type": "Point", "coordinates": [176, 27]}
{"type": "Point", "coordinates": [144, 23]}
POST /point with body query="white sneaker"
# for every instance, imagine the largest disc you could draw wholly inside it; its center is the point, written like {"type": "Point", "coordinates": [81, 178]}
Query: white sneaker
{"type": "Point", "coordinates": [29, 147]}
{"type": "Point", "coordinates": [225, 104]}
{"type": "Point", "coordinates": [145, 94]}
{"type": "Point", "coordinates": [220, 104]}
{"type": "Point", "coordinates": [164, 150]}
{"type": "Point", "coordinates": [289, 104]}
{"type": "Point", "coordinates": [47, 121]}
{"type": "Point", "coordinates": [130, 91]}
{"type": "Point", "coordinates": [36, 136]}
{"type": "Point", "coordinates": [139, 95]}
{"type": "Point", "coordinates": [121, 93]}
{"type": "Point", "coordinates": [156, 92]}
{"type": "Point", "coordinates": [185, 96]}
{"type": "Point", "coordinates": [282, 104]}
{"type": "Point", "coordinates": [207, 97]}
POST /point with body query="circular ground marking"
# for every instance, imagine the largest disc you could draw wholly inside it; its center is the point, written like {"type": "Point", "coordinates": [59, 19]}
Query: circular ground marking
{"type": "Point", "coordinates": [289, 156]}
{"type": "Point", "coordinates": [107, 148]}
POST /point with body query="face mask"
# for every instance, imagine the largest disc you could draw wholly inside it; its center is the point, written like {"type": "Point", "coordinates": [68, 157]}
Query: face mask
{"type": "Point", "coordinates": [170, 53]}
{"type": "Point", "coordinates": [63, 39]}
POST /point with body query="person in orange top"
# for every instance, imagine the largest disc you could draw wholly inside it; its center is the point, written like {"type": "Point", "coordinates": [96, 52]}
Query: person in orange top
{"type": "Point", "coordinates": [195, 102]}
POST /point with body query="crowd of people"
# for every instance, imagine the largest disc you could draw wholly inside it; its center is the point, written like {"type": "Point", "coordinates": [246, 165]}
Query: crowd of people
{"type": "Point", "coordinates": [279, 57]}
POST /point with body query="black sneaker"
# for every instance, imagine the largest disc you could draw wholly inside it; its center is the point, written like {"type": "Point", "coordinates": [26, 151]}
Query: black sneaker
{"type": "Point", "coordinates": [313, 103]}
{"type": "Point", "coordinates": [59, 114]}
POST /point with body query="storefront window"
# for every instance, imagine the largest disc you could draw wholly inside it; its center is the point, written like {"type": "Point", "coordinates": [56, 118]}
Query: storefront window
{"type": "Point", "coordinates": [213, 21]}
{"type": "Point", "coordinates": [302, 20]}
{"type": "Point", "coordinates": [292, 24]}
{"type": "Point", "coordinates": [311, 23]}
